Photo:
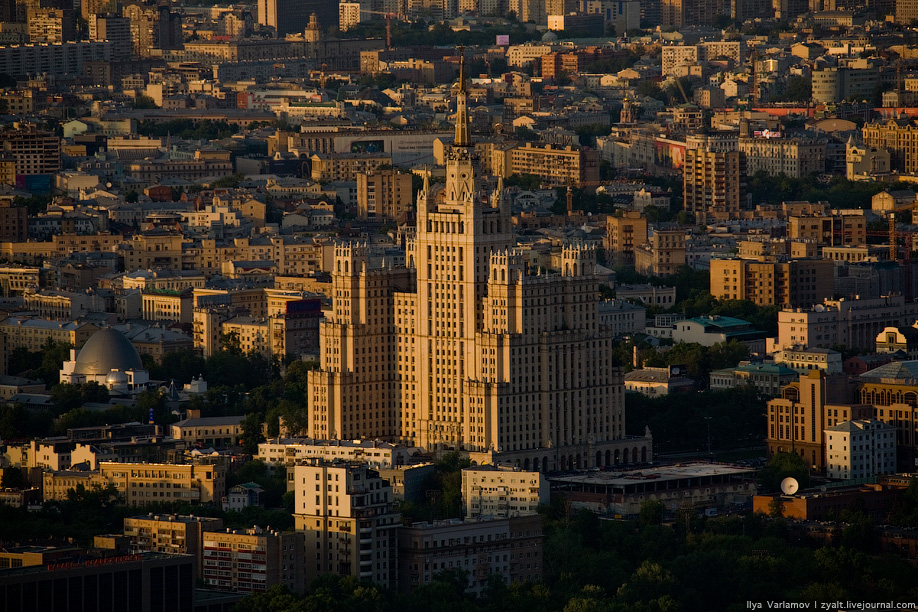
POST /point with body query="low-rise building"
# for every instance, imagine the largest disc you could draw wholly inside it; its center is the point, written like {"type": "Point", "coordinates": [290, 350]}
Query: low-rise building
{"type": "Point", "coordinates": [805, 359]}
{"type": "Point", "coordinates": [700, 486]}
{"type": "Point", "coordinates": [708, 331]}
{"type": "Point", "coordinates": [375, 453]}
{"type": "Point", "coordinates": [209, 431]}
{"type": "Point", "coordinates": [171, 533]}
{"type": "Point", "coordinates": [657, 382]}
{"type": "Point", "coordinates": [767, 378]}
{"type": "Point", "coordinates": [502, 492]}
{"type": "Point", "coordinates": [510, 548]}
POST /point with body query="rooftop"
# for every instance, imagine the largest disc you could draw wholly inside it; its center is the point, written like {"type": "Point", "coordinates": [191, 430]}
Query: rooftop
{"type": "Point", "coordinates": [666, 472]}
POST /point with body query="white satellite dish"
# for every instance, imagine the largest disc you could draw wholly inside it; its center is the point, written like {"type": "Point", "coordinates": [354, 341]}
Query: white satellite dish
{"type": "Point", "coordinates": [789, 486]}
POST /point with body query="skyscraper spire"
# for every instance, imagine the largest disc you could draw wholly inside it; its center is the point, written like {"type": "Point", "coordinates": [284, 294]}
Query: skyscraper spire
{"type": "Point", "coordinates": [463, 137]}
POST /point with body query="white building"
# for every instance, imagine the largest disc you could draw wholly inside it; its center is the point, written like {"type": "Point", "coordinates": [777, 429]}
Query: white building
{"type": "Point", "coordinates": [860, 449]}
{"type": "Point", "coordinates": [622, 317]}
{"type": "Point", "coordinates": [374, 453]}
{"type": "Point", "coordinates": [502, 492]}
{"type": "Point", "coordinates": [806, 359]}
{"type": "Point", "coordinates": [109, 359]}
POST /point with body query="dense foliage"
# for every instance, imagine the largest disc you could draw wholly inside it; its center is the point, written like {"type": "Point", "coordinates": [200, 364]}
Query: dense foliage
{"type": "Point", "coordinates": [638, 566]}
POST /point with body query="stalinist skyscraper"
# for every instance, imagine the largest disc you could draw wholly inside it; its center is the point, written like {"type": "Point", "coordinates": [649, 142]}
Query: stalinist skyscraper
{"type": "Point", "coordinates": [469, 348]}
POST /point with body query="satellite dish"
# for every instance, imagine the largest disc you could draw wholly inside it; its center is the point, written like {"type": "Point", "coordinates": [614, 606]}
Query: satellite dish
{"type": "Point", "coordinates": [789, 486]}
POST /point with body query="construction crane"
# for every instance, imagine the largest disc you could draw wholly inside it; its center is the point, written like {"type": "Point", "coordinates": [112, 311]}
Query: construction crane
{"type": "Point", "coordinates": [388, 17]}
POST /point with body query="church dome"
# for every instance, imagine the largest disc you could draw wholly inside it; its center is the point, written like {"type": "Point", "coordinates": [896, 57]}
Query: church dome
{"type": "Point", "coordinates": [549, 36]}
{"type": "Point", "coordinates": [105, 351]}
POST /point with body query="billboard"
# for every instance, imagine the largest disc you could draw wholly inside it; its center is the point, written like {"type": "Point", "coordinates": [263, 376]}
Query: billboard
{"type": "Point", "coordinates": [503, 40]}
{"type": "Point", "coordinates": [368, 146]}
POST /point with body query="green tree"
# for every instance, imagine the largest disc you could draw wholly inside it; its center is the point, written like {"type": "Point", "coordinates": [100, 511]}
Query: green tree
{"type": "Point", "coordinates": [652, 512]}
{"type": "Point", "coordinates": [251, 433]}
{"type": "Point", "coordinates": [144, 102]}
{"type": "Point", "coordinates": [781, 466]}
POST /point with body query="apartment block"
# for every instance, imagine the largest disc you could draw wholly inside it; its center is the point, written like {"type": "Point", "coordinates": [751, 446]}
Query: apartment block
{"type": "Point", "coordinates": [31, 333]}
{"type": "Point", "coordinates": [860, 449]}
{"type": "Point", "coordinates": [253, 560]}
{"type": "Point", "coordinates": [375, 453]}
{"type": "Point", "coordinates": [663, 254]}
{"type": "Point", "coordinates": [899, 137]}
{"type": "Point", "coordinates": [794, 283]}
{"type": "Point", "coordinates": [35, 151]}
{"type": "Point", "coordinates": [714, 183]}
{"type": "Point", "coordinates": [144, 483]}
{"type": "Point", "coordinates": [383, 195]}
{"type": "Point", "coordinates": [557, 166]}
{"type": "Point", "coordinates": [794, 157]}
{"type": "Point", "coordinates": [346, 166]}
{"type": "Point", "coordinates": [347, 515]}
{"type": "Point", "coordinates": [835, 228]}
{"type": "Point", "coordinates": [502, 492]}
{"type": "Point", "coordinates": [171, 533]}
{"type": "Point", "coordinates": [623, 234]}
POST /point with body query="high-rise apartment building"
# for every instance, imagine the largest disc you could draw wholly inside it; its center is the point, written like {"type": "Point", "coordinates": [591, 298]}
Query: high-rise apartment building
{"type": "Point", "coordinates": [170, 533]}
{"type": "Point", "coordinates": [383, 194]}
{"type": "Point", "coordinates": [714, 183]}
{"type": "Point", "coordinates": [116, 30]}
{"type": "Point", "coordinates": [347, 515]}
{"type": "Point", "coordinates": [291, 16]}
{"type": "Point", "coordinates": [35, 151]}
{"type": "Point", "coordinates": [623, 234]}
{"type": "Point", "coordinates": [51, 25]}
{"type": "Point", "coordinates": [253, 560]}
{"type": "Point", "coordinates": [467, 347]}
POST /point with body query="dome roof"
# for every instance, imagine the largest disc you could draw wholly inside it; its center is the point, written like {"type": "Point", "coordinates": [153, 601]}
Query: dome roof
{"type": "Point", "coordinates": [549, 36]}
{"type": "Point", "coordinates": [116, 377]}
{"type": "Point", "coordinates": [105, 351]}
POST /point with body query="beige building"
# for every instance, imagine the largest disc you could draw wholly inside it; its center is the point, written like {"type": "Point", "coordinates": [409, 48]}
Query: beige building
{"type": "Point", "coordinates": [347, 515]}
{"type": "Point", "coordinates": [375, 453]}
{"type": "Point", "coordinates": [623, 234]}
{"type": "Point", "coordinates": [167, 305]}
{"type": "Point", "coordinates": [31, 333]}
{"type": "Point", "coordinates": [836, 228]}
{"type": "Point", "coordinates": [557, 166]}
{"type": "Point", "coordinates": [852, 323]}
{"type": "Point", "coordinates": [383, 194]}
{"type": "Point", "coordinates": [866, 163]}
{"type": "Point", "coordinates": [899, 137]}
{"type": "Point", "coordinates": [510, 548]}
{"type": "Point", "coordinates": [444, 353]}
{"type": "Point", "coordinates": [145, 483]}
{"type": "Point", "coordinates": [346, 166]}
{"type": "Point", "coordinates": [209, 431]}
{"type": "Point", "coordinates": [502, 492]}
{"type": "Point", "coordinates": [794, 157]}
{"type": "Point", "coordinates": [171, 533]}
{"type": "Point", "coordinates": [663, 255]}
{"type": "Point", "coordinates": [804, 360]}
{"type": "Point", "coordinates": [767, 282]}
{"type": "Point", "coordinates": [714, 183]}
{"type": "Point", "coordinates": [254, 560]}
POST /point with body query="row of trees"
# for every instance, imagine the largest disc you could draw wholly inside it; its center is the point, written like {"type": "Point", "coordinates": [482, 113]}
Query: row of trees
{"type": "Point", "coordinates": [591, 565]}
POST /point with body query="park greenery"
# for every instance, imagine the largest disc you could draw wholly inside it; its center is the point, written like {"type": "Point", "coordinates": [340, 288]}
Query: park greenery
{"type": "Point", "coordinates": [642, 565]}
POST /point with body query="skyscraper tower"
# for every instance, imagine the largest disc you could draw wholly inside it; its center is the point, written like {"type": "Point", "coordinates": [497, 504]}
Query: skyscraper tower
{"type": "Point", "coordinates": [467, 347]}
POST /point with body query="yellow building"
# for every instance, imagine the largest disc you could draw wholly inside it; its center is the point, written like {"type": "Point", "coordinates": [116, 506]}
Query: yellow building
{"type": "Point", "coordinates": [170, 533]}
{"type": "Point", "coordinates": [663, 254]}
{"type": "Point", "coordinates": [502, 492]}
{"type": "Point", "coordinates": [31, 333]}
{"type": "Point", "coordinates": [254, 560]}
{"type": "Point", "coordinates": [35, 151]}
{"type": "Point", "coordinates": [899, 137]}
{"type": "Point", "coordinates": [767, 282]}
{"type": "Point", "coordinates": [346, 166]}
{"type": "Point", "coordinates": [623, 234]}
{"type": "Point", "coordinates": [383, 194]}
{"type": "Point", "coordinates": [837, 228]}
{"type": "Point", "coordinates": [714, 183]}
{"type": "Point", "coordinates": [167, 305]}
{"type": "Point", "coordinates": [555, 165]}
{"type": "Point", "coordinates": [347, 514]}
